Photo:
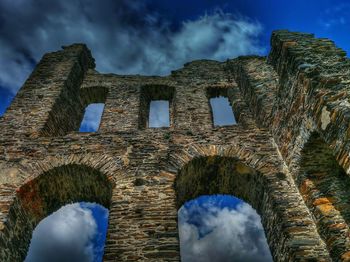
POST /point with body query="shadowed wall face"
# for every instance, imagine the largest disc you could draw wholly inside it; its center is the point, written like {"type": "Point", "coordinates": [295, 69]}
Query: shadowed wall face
{"type": "Point", "coordinates": [325, 188]}
{"type": "Point", "coordinates": [215, 175]}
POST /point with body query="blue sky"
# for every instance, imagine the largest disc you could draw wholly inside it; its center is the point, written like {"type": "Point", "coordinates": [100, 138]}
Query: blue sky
{"type": "Point", "coordinates": [222, 111]}
{"type": "Point", "coordinates": [153, 37]}
{"type": "Point", "coordinates": [92, 118]}
{"type": "Point", "coordinates": [159, 114]}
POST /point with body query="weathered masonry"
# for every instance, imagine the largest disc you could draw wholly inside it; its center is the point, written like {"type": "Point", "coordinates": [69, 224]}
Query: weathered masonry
{"type": "Point", "coordinates": [288, 156]}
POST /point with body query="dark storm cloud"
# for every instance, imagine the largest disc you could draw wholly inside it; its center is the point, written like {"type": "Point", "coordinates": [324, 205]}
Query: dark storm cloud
{"type": "Point", "coordinates": [125, 36]}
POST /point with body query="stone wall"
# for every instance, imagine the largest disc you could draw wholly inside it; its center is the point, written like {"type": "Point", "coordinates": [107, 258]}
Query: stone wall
{"type": "Point", "coordinates": [303, 93]}
{"type": "Point", "coordinates": [144, 174]}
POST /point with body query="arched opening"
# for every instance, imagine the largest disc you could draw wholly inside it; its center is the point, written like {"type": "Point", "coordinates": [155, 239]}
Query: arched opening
{"type": "Point", "coordinates": [75, 232]}
{"type": "Point", "coordinates": [221, 228]}
{"type": "Point", "coordinates": [325, 188]}
{"type": "Point", "coordinates": [214, 175]}
{"type": "Point", "coordinates": [44, 195]}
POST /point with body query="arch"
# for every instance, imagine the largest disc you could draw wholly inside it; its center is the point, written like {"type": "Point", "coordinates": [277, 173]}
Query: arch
{"type": "Point", "coordinates": [93, 94]}
{"type": "Point", "coordinates": [264, 184]}
{"type": "Point", "coordinates": [208, 176]}
{"type": "Point", "coordinates": [45, 193]}
{"type": "Point", "coordinates": [213, 175]}
{"type": "Point", "coordinates": [325, 187]}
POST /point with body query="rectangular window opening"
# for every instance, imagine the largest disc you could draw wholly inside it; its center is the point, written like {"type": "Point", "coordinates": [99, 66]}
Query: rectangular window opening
{"type": "Point", "coordinates": [92, 118]}
{"type": "Point", "coordinates": [221, 109]}
{"type": "Point", "coordinates": [156, 107]}
{"type": "Point", "coordinates": [159, 114]}
{"type": "Point", "coordinates": [222, 112]}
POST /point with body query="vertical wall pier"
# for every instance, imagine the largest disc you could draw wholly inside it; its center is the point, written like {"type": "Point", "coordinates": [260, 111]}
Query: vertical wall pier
{"type": "Point", "coordinates": [48, 103]}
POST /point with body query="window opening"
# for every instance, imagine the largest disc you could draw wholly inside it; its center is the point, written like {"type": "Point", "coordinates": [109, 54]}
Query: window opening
{"type": "Point", "coordinates": [222, 111]}
{"type": "Point", "coordinates": [92, 118]}
{"type": "Point", "coordinates": [159, 114]}
{"type": "Point", "coordinates": [156, 106]}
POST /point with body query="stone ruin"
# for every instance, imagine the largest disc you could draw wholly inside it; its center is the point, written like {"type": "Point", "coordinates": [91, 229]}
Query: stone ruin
{"type": "Point", "coordinates": [288, 155]}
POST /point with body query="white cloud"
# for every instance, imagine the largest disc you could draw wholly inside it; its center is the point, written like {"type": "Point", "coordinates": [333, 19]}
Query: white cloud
{"type": "Point", "coordinates": [64, 236]}
{"type": "Point", "coordinates": [219, 35]}
{"type": "Point", "coordinates": [226, 235]}
{"type": "Point", "coordinates": [125, 37]}
{"type": "Point", "coordinates": [335, 16]}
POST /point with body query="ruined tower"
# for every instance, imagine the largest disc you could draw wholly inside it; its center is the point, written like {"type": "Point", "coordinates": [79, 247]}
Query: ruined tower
{"type": "Point", "coordinates": [288, 156]}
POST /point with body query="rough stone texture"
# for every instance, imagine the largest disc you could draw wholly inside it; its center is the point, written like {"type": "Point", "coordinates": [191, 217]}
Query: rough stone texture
{"type": "Point", "coordinates": [288, 156]}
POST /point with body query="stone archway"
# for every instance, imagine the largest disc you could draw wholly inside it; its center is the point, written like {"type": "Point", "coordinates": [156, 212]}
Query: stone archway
{"type": "Point", "coordinates": [218, 175]}
{"type": "Point", "coordinates": [215, 175]}
{"type": "Point", "coordinates": [265, 185]}
{"type": "Point", "coordinates": [44, 194]}
{"type": "Point", "coordinates": [325, 187]}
